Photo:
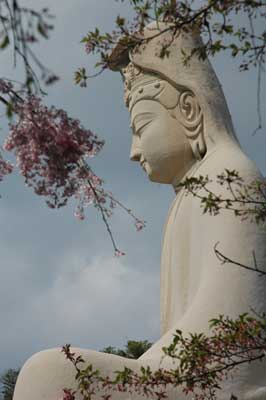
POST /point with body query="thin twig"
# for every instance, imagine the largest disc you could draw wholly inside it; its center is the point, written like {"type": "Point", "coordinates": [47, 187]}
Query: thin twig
{"type": "Point", "coordinates": [226, 260]}
{"type": "Point", "coordinates": [84, 165]}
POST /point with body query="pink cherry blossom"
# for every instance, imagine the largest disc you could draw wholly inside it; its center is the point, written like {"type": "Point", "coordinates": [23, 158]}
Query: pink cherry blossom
{"type": "Point", "coordinates": [51, 151]}
{"type": "Point", "coordinates": [48, 146]}
{"type": "Point", "coordinates": [139, 224]}
{"type": "Point", "coordinates": [119, 253]}
{"type": "Point", "coordinates": [68, 394]}
{"type": "Point", "coordinates": [89, 47]}
{"type": "Point", "coordinates": [5, 86]}
{"type": "Point", "coordinates": [5, 167]}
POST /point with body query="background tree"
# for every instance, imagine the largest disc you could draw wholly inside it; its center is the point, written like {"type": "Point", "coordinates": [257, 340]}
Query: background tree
{"type": "Point", "coordinates": [7, 382]}
{"type": "Point", "coordinates": [133, 349]}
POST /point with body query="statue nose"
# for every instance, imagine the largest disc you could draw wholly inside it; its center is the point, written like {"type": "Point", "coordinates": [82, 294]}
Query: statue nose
{"type": "Point", "coordinates": [135, 152]}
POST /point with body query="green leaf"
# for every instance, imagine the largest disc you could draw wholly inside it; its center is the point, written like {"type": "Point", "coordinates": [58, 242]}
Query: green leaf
{"type": "Point", "coordinates": [5, 42]}
{"type": "Point", "coordinates": [9, 110]}
{"type": "Point", "coordinates": [42, 31]}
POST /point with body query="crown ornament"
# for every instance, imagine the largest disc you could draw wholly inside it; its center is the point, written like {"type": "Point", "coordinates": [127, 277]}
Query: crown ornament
{"type": "Point", "coordinates": [140, 85]}
{"type": "Point", "coordinates": [131, 75]}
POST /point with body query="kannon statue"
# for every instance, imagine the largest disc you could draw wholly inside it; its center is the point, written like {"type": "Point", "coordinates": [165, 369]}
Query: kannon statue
{"type": "Point", "coordinates": [181, 128]}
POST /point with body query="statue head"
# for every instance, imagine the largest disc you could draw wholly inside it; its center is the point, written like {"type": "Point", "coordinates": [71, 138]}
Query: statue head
{"type": "Point", "coordinates": [159, 141]}
{"type": "Point", "coordinates": [178, 110]}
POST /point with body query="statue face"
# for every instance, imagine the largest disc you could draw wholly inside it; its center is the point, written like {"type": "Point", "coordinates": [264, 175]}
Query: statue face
{"type": "Point", "coordinates": [159, 143]}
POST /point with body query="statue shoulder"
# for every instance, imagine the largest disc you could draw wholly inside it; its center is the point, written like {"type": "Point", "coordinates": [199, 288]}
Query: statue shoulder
{"type": "Point", "coordinates": [230, 158]}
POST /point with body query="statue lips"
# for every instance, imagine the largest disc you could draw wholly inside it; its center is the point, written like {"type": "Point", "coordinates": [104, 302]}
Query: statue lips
{"type": "Point", "coordinates": [142, 164]}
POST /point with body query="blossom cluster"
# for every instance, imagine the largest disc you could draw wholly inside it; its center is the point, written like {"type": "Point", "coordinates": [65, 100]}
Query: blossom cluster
{"type": "Point", "coordinates": [206, 361]}
{"type": "Point", "coordinates": [68, 394]}
{"type": "Point", "coordinates": [5, 167]}
{"type": "Point", "coordinates": [5, 86]}
{"type": "Point", "coordinates": [51, 150]}
{"type": "Point", "coordinates": [48, 146]}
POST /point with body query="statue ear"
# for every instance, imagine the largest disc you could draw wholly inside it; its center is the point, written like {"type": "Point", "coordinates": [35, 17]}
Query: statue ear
{"type": "Point", "coordinates": [191, 117]}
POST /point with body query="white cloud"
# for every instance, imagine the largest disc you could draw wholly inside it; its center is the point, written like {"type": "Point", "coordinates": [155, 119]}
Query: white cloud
{"type": "Point", "coordinates": [87, 301]}
{"type": "Point", "coordinates": [105, 302]}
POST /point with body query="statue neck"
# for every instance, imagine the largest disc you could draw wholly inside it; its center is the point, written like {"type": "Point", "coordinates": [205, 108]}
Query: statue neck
{"type": "Point", "coordinates": [195, 165]}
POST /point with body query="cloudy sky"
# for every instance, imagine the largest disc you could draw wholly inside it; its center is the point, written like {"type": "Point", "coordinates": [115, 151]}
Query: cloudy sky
{"type": "Point", "coordinates": [60, 282]}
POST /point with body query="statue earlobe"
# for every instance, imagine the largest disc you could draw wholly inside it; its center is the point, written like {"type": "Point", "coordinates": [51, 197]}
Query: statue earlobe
{"type": "Point", "coordinates": [191, 117]}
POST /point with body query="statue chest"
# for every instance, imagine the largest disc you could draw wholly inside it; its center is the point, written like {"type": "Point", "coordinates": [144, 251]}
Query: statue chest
{"type": "Point", "coordinates": [176, 274]}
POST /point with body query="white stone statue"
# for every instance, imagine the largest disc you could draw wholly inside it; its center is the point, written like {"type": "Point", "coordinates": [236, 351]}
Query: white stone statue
{"type": "Point", "coordinates": [181, 128]}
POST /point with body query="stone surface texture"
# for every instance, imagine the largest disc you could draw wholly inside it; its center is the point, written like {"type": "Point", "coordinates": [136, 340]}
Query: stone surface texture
{"type": "Point", "coordinates": [181, 128]}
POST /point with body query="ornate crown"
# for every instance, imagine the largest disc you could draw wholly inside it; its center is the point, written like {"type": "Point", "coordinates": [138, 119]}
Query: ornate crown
{"type": "Point", "coordinates": [135, 81]}
{"type": "Point", "coordinates": [142, 85]}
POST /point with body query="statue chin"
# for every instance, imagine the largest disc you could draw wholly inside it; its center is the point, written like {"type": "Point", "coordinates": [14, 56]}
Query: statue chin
{"type": "Point", "coordinates": [182, 127]}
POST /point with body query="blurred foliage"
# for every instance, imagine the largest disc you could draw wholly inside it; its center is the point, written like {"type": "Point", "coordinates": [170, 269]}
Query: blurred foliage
{"type": "Point", "coordinates": [133, 349]}
{"type": "Point", "coordinates": [7, 383]}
